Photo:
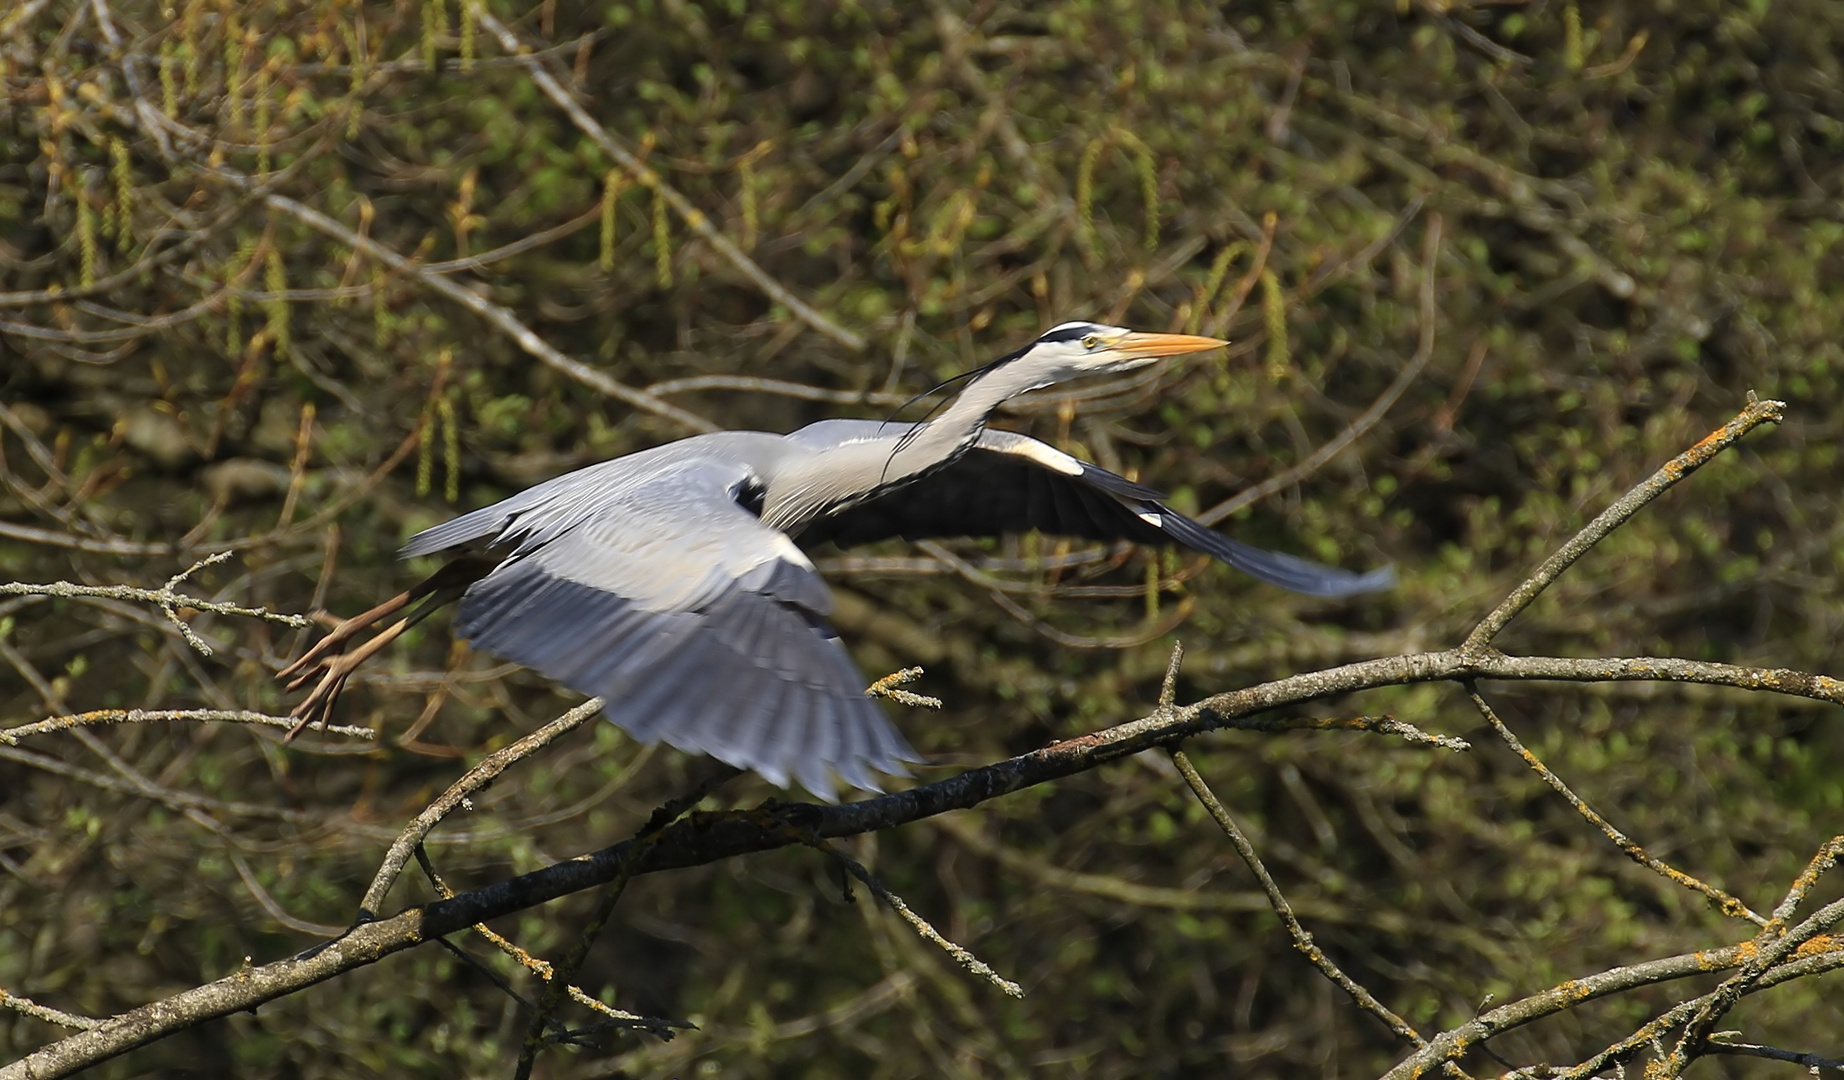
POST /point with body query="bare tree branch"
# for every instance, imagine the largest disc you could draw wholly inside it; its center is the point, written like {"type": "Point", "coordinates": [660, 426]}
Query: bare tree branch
{"type": "Point", "coordinates": [1452, 1044]}
{"type": "Point", "coordinates": [165, 598]}
{"type": "Point", "coordinates": [557, 988]}
{"type": "Point", "coordinates": [54, 538]}
{"type": "Point", "coordinates": [702, 840]}
{"type": "Point", "coordinates": [921, 926]}
{"type": "Point", "coordinates": [1773, 1053]}
{"type": "Point", "coordinates": [102, 717]}
{"type": "Point", "coordinates": [543, 969]}
{"type": "Point", "coordinates": [1757, 413]}
{"type": "Point", "coordinates": [1757, 965]}
{"type": "Point", "coordinates": [1302, 940]}
{"type": "Point", "coordinates": [40, 1012]}
{"type": "Point", "coordinates": [1730, 905]}
{"type": "Point", "coordinates": [499, 316]}
{"type": "Point", "coordinates": [1776, 943]}
{"type": "Point", "coordinates": [488, 770]}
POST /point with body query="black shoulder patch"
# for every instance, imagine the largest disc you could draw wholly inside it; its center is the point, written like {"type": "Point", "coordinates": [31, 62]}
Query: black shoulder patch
{"type": "Point", "coordinates": [750, 495]}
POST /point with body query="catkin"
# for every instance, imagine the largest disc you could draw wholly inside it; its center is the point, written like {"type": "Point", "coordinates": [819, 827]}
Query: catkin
{"type": "Point", "coordinates": [1085, 193]}
{"type": "Point", "coordinates": [1274, 317]}
{"type": "Point", "coordinates": [662, 241]}
{"type": "Point", "coordinates": [611, 194]}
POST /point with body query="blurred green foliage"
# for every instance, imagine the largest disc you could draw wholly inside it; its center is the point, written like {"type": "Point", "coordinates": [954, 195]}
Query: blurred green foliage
{"type": "Point", "coordinates": [1640, 222]}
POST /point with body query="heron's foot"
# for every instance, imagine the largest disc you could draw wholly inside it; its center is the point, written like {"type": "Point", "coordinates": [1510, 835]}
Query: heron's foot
{"type": "Point", "coordinates": [317, 707]}
{"type": "Point", "coordinates": [332, 665]}
{"type": "Point", "coordinates": [333, 670]}
{"type": "Point", "coordinates": [341, 633]}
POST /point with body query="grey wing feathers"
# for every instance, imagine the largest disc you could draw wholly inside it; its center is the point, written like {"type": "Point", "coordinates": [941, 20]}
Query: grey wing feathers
{"type": "Point", "coordinates": [1011, 483]}
{"type": "Point", "coordinates": [695, 623]}
{"type": "Point", "coordinates": [487, 521]}
{"type": "Point", "coordinates": [536, 512]}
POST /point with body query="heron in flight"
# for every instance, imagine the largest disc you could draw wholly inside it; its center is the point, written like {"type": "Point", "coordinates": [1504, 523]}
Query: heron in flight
{"type": "Point", "coordinates": [673, 582]}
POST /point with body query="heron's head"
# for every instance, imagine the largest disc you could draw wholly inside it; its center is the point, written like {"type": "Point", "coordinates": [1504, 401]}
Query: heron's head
{"type": "Point", "coordinates": [1085, 348]}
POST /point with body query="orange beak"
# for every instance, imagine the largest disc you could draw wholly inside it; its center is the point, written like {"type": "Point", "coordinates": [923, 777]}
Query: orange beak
{"type": "Point", "coordinates": [1142, 346]}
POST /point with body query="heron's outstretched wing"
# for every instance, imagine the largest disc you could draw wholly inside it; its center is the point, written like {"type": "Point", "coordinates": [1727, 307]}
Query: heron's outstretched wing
{"type": "Point", "coordinates": [695, 623]}
{"type": "Point", "coordinates": [1012, 483]}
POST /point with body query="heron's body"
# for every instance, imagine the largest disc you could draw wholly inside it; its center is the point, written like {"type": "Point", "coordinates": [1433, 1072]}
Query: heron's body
{"type": "Point", "coordinates": [672, 582]}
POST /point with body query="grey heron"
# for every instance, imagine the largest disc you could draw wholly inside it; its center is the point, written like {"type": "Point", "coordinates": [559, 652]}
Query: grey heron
{"type": "Point", "coordinates": [669, 581]}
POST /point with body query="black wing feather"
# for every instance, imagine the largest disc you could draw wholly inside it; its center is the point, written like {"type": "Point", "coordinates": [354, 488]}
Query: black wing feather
{"type": "Point", "coordinates": [987, 492]}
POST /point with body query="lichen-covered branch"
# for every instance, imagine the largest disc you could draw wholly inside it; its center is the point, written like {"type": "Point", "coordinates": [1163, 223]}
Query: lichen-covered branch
{"type": "Point", "coordinates": [1757, 413]}
{"type": "Point", "coordinates": [703, 840]}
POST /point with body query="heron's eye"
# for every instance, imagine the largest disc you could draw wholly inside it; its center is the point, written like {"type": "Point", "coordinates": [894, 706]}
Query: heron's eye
{"type": "Point", "coordinates": [1091, 341]}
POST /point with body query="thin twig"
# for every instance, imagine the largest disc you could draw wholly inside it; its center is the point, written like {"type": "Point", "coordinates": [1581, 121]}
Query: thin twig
{"type": "Point", "coordinates": [264, 899]}
{"type": "Point", "coordinates": [457, 794]}
{"type": "Point", "coordinates": [556, 989]}
{"type": "Point", "coordinates": [100, 717]}
{"type": "Point", "coordinates": [1821, 863]}
{"type": "Point", "coordinates": [960, 954]}
{"type": "Point", "coordinates": [51, 538]}
{"type": "Point", "coordinates": [1775, 946]}
{"type": "Point", "coordinates": [1302, 940]}
{"type": "Point", "coordinates": [165, 598]}
{"type": "Point", "coordinates": [544, 970]}
{"type": "Point", "coordinates": [150, 261]}
{"type": "Point", "coordinates": [480, 965]}
{"type": "Point", "coordinates": [1773, 1053]}
{"type": "Point", "coordinates": [501, 317]}
{"type": "Point", "coordinates": [1729, 905]}
{"type": "Point", "coordinates": [989, 564]}
{"type": "Point", "coordinates": [46, 1013]}
{"type": "Point", "coordinates": [756, 384]}
{"type": "Point", "coordinates": [1380, 725]}
{"type": "Point", "coordinates": [1258, 264]}
{"type": "Point", "coordinates": [515, 247]}
{"type": "Point", "coordinates": [1168, 686]}
{"type": "Point", "coordinates": [942, 557]}
{"type": "Point", "coordinates": [1140, 894]}
{"type": "Point", "coordinates": [695, 219]}
{"type": "Point", "coordinates": [1757, 413]}
{"type": "Point", "coordinates": [1149, 630]}
{"type": "Point", "coordinates": [887, 687]}
{"type": "Point", "coordinates": [178, 800]}
{"type": "Point", "coordinates": [1758, 970]}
